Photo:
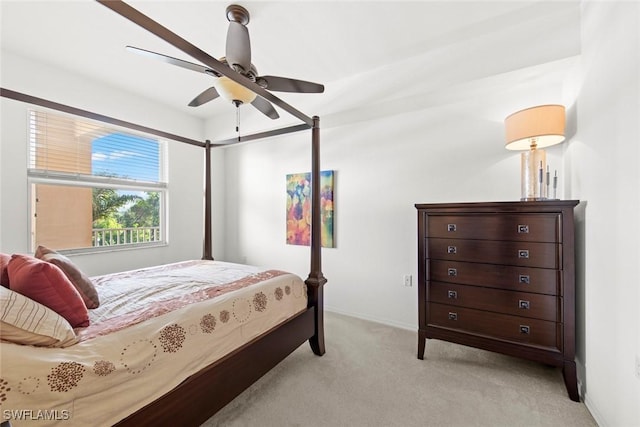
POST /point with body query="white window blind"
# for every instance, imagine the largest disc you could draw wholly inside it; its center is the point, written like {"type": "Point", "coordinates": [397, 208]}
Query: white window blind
{"type": "Point", "coordinates": [68, 148]}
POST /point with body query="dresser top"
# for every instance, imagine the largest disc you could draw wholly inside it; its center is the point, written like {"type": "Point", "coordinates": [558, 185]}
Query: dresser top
{"type": "Point", "coordinates": [517, 206]}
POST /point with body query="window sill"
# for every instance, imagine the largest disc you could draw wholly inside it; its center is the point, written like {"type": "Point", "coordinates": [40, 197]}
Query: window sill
{"type": "Point", "coordinates": [113, 248]}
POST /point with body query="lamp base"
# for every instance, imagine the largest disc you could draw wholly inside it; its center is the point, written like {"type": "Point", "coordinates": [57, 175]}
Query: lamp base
{"type": "Point", "coordinates": [532, 167]}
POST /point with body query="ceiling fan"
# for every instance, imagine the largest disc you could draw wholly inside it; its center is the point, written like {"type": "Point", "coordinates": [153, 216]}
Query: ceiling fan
{"type": "Point", "coordinates": [238, 58]}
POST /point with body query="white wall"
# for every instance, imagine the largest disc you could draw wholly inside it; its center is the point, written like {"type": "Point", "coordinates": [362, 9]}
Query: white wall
{"type": "Point", "coordinates": [382, 169]}
{"type": "Point", "coordinates": [185, 167]}
{"type": "Point", "coordinates": [603, 158]}
{"type": "Point", "coordinates": [392, 149]}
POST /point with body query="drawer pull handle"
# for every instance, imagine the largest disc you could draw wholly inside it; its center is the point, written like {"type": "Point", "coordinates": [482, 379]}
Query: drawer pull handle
{"type": "Point", "coordinates": [452, 271]}
{"type": "Point", "coordinates": [524, 329]}
{"type": "Point", "coordinates": [524, 279]}
{"type": "Point", "coordinates": [523, 304]}
{"type": "Point", "coordinates": [451, 249]}
{"type": "Point", "coordinates": [452, 294]}
{"type": "Point", "coordinates": [453, 316]}
{"type": "Point", "coordinates": [523, 253]}
{"type": "Point", "coordinates": [523, 229]}
{"type": "Point", "coordinates": [451, 227]}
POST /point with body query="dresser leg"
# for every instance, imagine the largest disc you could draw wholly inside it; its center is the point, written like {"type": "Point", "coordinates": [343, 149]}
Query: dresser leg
{"type": "Point", "coordinates": [571, 380]}
{"type": "Point", "coordinates": [422, 337]}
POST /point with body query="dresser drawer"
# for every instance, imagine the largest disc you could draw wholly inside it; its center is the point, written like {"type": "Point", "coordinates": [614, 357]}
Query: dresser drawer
{"type": "Point", "coordinates": [525, 279]}
{"type": "Point", "coordinates": [537, 306]}
{"type": "Point", "coordinates": [519, 227]}
{"type": "Point", "coordinates": [494, 325]}
{"type": "Point", "coordinates": [525, 254]}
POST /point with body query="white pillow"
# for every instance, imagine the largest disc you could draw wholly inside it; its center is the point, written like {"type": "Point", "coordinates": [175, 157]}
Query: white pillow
{"type": "Point", "coordinates": [24, 321]}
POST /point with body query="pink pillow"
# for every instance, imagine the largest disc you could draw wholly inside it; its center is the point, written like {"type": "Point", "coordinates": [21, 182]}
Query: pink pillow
{"type": "Point", "coordinates": [47, 284]}
{"type": "Point", "coordinates": [79, 280]}
{"type": "Point", "coordinates": [4, 275]}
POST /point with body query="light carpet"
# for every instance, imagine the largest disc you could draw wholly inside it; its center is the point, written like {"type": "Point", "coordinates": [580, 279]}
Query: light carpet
{"type": "Point", "coordinates": [370, 376]}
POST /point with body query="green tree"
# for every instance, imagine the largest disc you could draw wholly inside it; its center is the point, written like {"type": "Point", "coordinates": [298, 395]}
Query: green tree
{"type": "Point", "coordinates": [145, 212]}
{"type": "Point", "coordinates": [106, 204]}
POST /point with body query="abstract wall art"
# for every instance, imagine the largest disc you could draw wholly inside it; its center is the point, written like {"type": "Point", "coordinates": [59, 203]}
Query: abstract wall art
{"type": "Point", "coordinates": [299, 208]}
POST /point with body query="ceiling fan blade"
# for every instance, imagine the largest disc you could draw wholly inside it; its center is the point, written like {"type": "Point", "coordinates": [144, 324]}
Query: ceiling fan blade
{"type": "Point", "coordinates": [265, 108]}
{"type": "Point", "coordinates": [284, 84]}
{"type": "Point", "coordinates": [204, 97]}
{"type": "Point", "coordinates": [174, 61]}
{"type": "Point", "coordinates": [238, 50]}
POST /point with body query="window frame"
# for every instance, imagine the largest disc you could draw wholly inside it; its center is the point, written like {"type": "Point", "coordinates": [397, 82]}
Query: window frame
{"type": "Point", "coordinates": [39, 176]}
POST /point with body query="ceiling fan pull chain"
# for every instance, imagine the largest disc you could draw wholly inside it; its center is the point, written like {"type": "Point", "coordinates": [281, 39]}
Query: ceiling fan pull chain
{"type": "Point", "coordinates": [238, 121]}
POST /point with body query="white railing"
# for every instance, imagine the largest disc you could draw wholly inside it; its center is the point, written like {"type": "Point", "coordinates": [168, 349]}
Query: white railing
{"type": "Point", "coordinates": [124, 236]}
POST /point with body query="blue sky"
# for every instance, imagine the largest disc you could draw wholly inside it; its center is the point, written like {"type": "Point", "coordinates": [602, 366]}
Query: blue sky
{"type": "Point", "coordinates": [126, 156]}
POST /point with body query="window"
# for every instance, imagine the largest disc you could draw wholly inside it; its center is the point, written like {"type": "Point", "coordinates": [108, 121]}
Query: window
{"type": "Point", "coordinates": [94, 186]}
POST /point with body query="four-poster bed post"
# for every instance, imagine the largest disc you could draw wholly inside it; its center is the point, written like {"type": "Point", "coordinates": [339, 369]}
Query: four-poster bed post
{"type": "Point", "coordinates": [316, 279]}
{"type": "Point", "coordinates": [207, 252]}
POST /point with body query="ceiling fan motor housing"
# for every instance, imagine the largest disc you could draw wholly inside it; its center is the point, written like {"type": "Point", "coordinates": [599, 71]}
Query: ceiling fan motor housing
{"type": "Point", "coordinates": [237, 13]}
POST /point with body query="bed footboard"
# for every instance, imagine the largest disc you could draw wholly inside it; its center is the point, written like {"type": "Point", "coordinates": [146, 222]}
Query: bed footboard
{"type": "Point", "coordinates": [203, 394]}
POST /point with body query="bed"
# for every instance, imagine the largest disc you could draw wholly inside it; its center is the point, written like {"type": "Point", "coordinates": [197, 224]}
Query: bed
{"type": "Point", "coordinates": [154, 328]}
{"type": "Point", "coordinates": [212, 374]}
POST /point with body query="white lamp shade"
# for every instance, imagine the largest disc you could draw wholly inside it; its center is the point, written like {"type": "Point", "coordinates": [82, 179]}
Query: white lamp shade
{"type": "Point", "coordinates": [535, 127]}
{"type": "Point", "coordinates": [232, 91]}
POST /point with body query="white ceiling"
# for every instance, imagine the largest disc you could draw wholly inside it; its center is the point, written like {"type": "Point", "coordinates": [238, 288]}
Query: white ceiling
{"type": "Point", "coordinates": [373, 50]}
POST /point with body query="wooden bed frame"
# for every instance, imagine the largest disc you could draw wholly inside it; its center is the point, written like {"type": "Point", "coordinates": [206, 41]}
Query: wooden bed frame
{"type": "Point", "coordinates": [201, 395]}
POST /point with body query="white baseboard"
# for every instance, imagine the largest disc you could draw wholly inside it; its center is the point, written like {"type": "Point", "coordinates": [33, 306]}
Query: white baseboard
{"type": "Point", "coordinates": [387, 322]}
{"type": "Point", "coordinates": [582, 391]}
{"type": "Point", "coordinates": [594, 411]}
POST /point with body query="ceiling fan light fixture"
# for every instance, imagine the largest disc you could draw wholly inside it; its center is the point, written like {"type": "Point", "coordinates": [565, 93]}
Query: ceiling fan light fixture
{"type": "Point", "coordinates": [232, 91]}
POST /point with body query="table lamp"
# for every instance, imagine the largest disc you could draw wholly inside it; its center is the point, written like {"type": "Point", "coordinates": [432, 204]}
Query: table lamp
{"type": "Point", "coordinates": [533, 129]}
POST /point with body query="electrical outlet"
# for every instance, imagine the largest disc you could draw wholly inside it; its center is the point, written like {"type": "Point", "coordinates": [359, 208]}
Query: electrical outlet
{"type": "Point", "coordinates": [407, 280]}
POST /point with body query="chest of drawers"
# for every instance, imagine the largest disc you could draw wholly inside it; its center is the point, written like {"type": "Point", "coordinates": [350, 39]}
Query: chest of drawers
{"type": "Point", "coordinates": [500, 276]}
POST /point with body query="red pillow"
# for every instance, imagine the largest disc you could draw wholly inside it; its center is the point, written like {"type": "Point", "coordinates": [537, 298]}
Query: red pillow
{"type": "Point", "coordinates": [47, 284]}
{"type": "Point", "coordinates": [4, 275]}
